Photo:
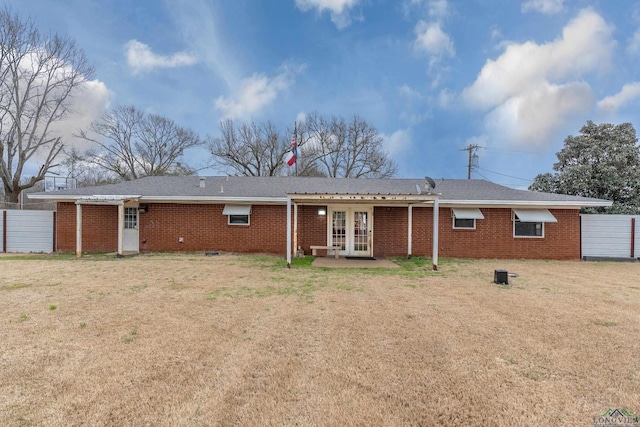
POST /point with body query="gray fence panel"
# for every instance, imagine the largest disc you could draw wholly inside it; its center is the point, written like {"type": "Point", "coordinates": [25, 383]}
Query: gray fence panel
{"type": "Point", "coordinates": [29, 231]}
{"type": "Point", "coordinates": [609, 235]}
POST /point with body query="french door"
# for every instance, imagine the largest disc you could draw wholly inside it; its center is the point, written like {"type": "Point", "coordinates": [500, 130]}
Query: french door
{"type": "Point", "coordinates": [351, 228]}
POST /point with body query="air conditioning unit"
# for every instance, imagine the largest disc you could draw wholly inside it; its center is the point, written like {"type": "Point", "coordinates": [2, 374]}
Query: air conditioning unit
{"type": "Point", "coordinates": [501, 277]}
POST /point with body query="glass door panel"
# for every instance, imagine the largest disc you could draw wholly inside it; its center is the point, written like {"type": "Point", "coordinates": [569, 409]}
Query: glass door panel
{"type": "Point", "coordinates": [360, 232]}
{"type": "Point", "coordinates": [339, 229]}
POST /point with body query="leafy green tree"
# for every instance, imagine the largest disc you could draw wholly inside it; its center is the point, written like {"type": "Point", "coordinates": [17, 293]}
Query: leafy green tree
{"type": "Point", "coordinates": [602, 162]}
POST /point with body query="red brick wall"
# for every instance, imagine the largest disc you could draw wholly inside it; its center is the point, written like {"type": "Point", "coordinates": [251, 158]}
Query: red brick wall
{"type": "Point", "coordinates": [99, 228]}
{"type": "Point", "coordinates": [493, 237]}
{"type": "Point", "coordinates": [390, 231]}
{"type": "Point", "coordinates": [203, 227]}
{"type": "Point", "coordinates": [312, 228]}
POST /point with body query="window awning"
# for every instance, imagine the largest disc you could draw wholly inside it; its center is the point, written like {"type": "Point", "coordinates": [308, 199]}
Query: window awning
{"type": "Point", "coordinates": [236, 210]}
{"type": "Point", "coordinates": [534, 215]}
{"type": "Point", "coordinates": [467, 213]}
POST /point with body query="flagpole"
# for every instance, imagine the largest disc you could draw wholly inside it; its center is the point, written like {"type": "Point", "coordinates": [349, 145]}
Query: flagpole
{"type": "Point", "coordinates": [295, 132]}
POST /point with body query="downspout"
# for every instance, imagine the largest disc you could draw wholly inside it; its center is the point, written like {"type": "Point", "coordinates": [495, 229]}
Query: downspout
{"type": "Point", "coordinates": [436, 213]}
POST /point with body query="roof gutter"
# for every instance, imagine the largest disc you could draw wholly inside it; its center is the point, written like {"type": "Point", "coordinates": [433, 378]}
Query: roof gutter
{"type": "Point", "coordinates": [537, 203]}
{"type": "Point", "coordinates": [167, 199]}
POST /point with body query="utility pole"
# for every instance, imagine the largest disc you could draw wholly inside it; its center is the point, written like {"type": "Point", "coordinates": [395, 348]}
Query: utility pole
{"type": "Point", "coordinates": [473, 157]}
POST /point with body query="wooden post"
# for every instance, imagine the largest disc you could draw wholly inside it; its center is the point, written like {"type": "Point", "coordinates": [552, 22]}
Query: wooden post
{"type": "Point", "coordinates": [295, 229]}
{"type": "Point", "coordinates": [121, 229]}
{"type": "Point", "coordinates": [288, 232]}
{"type": "Point", "coordinates": [78, 230]}
{"type": "Point", "coordinates": [410, 231]}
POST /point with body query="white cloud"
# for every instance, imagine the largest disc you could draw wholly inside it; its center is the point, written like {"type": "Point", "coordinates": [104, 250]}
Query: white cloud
{"type": "Point", "coordinates": [396, 143]}
{"type": "Point", "coordinates": [548, 7]}
{"type": "Point", "coordinates": [88, 104]}
{"type": "Point", "coordinates": [197, 22]}
{"type": "Point", "coordinates": [256, 92]}
{"type": "Point", "coordinates": [446, 99]}
{"type": "Point", "coordinates": [338, 9]}
{"type": "Point", "coordinates": [301, 117]}
{"type": "Point", "coordinates": [431, 39]}
{"type": "Point", "coordinates": [627, 94]}
{"type": "Point", "coordinates": [438, 8]}
{"type": "Point", "coordinates": [633, 46]}
{"type": "Point", "coordinates": [408, 92]}
{"type": "Point", "coordinates": [531, 90]}
{"type": "Point", "coordinates": [141, 59]}
{"type": "Point", "coordinates": [531, 117]}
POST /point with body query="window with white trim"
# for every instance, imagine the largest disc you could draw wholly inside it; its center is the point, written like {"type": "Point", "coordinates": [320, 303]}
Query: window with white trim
{"type": "Point", "coordinates": [465, 219]}
{"type": "Point", "coordinates": [237, 214]}
{"type": "Point", "coordinates": [130, 218]}
{"type": "Point", "coordinates": [530, 222]}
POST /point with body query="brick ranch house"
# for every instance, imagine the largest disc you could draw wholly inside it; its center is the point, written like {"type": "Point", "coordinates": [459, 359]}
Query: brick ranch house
{"type": "Point", "coordinates": [285, 215]}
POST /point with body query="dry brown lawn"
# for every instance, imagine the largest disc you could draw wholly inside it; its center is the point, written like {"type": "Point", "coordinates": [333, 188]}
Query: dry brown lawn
{"type": "Point", "coordinates": [184, 339]}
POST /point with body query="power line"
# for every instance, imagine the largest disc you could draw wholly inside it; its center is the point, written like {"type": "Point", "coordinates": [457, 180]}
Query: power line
{"type": "Point", "coordinates": [503, 174]}
{"type": "Point", "coordinates": [508, 151]}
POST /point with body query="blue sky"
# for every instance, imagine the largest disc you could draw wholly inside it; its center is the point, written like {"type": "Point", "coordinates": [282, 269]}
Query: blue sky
{"type": "Point", "coordinates": [433, 76]}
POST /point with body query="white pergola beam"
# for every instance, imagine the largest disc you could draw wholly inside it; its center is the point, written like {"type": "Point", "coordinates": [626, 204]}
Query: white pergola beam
{"type": "Point", "coordinates": [436, 227]}
{"type": "Point", "coordinates": [288, 232]}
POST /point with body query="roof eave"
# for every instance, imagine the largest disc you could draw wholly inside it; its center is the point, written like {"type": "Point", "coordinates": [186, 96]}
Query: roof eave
{"type": "Point", "coordinates": [364, 197]}
{"type": "Point", "coordinates": [567, 204]}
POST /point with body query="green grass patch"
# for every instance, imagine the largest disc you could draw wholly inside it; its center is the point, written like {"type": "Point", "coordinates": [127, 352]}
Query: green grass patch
{"type": "Point", "coordinates": [52, 307]}
{"type": "Point", "coordinates": [13, 287]}
{"type": "Point", "coordinates": [606, 323]}
{"type": "Point", "coordinates": [283, 285]}
{"type": "Point", "coordinates": [40, 257]}
{"type": "Point", "coordinates": [129, 339]}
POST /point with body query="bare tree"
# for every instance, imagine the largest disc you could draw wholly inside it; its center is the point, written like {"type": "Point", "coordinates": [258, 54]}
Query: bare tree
{"type": "Point", "coordinates": [250, 149]}
{"type": "Point", "coordinates": [132, 144]}
{"type": "Point", "coordinates": [327, 147]}
{"type": "Point", "coordinates": [38, 76]}
{"type": "Point", "coordinates": [344, 149]}
{"type": "Point", "coordinates": [84, 173]}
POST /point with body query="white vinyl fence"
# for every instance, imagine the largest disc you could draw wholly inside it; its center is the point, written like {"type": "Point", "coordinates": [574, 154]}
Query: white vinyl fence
{"type": "Point", "coordinates": [26, 231]}
{"type": "Point", "coordinates": [610, 236]}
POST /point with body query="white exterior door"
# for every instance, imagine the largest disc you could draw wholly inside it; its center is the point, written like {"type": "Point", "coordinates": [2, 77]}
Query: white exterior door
{"type": "Point", "coordinates": [131, 235]}
{"type": "Point", "coordinates": [351, 228]}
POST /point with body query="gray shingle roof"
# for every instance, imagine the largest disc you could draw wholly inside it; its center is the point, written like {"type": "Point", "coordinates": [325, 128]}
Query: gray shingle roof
{"type": "Point", "coordinates": [156, 187]}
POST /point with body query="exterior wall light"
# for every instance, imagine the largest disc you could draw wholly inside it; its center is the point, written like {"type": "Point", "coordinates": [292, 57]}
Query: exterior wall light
{"type": "Point", "coordinates": [322, 212]}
